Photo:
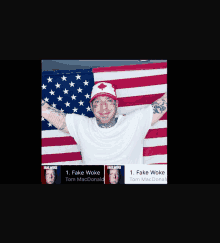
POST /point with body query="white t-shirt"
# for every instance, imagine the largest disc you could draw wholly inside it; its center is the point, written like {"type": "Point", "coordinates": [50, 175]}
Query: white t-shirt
{"type": "Point", "coordinates": [118, 145]}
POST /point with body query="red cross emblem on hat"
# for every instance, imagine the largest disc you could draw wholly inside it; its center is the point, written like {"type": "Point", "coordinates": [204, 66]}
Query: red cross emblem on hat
{"type": "Point", "coordinates": [102, 86]}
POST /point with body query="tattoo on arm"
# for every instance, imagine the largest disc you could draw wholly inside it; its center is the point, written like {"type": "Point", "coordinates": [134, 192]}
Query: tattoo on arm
{"type": "Point", "coordinates": [159, 106]}
{"type": "Point", "coordinates": [56, 118]}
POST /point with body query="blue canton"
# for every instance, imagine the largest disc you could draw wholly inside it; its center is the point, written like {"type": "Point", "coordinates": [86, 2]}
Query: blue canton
{"type": "Point", "coordinates": [68, 91]}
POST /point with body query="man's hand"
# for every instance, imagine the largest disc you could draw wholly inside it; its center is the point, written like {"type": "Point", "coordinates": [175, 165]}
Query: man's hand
{"type": "Point", "coordinates": [159, 108]}
{"type": "Point", "coordinates": [42, 102]}
{"type": "Point", "coordinates": [54, 116]}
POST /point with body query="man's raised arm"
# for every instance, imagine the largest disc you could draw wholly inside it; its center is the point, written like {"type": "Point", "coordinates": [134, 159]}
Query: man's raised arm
{"type": "Point", "coordinates": [54, 116]}
{"type": "Point", "coordinates": [159, 108]}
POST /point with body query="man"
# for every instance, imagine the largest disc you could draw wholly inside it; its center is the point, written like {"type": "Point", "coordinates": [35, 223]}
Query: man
{"type": "Point", "coordinates": [107, 138]}
{"type": "Point", "coordinates": [113, 176]}
{"type": "Point", "coordinates": [49, 176]}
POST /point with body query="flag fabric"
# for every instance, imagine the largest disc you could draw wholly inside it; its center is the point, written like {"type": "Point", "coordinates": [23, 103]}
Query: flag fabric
{"type": "Point", "coordinates": [70, 92]}
{"type": "Point", "coordinates": [137, 86]}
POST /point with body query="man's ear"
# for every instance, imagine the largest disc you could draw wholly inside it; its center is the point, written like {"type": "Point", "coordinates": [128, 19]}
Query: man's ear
{"type": "Point", "coordinates": [117, 103]}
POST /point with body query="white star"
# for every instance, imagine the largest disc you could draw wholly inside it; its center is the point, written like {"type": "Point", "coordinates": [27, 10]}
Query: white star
{"type": "Point", "coordinates": [57, 85]}
{"type": "Point", "coordinates": [88, 108]}
{"type": "Point", "coordinates": [42, 119]}
{"type": "Point", "coordinates": [62, 110]}
{"type": "Point", "coordinates": [49, 80]}
{"type": "Point", "coordinates": [79, 90]}
{"type": "Point", "coordinates": [59, 98]}
{"type": "Point", "coordinates": [51, 92]}
{"type": "Point", "coordinates": [44, 86]}
{"type": "Point", "coordinates": [65, 91]}
{"type": "Point", "coordinates": [71, 84]}
{"type": "Point", "coordinates": [78, 76]}
{"type": "Point", "coordinates": [54, 105]}
{"type": "Point", "coordinates": [49, 124]}
{"type": "Point", "coordinates": [46, 99]}
{"type": "Point", "coordinates": [67, 104]}
{"type": "Point", "coordinates": [75, 109]}
{"type": "Point", "coordinates": [87, 95]}
{"type": "Point", "coordinates": [86, 82]}
{"type": "Point", "coordinates": [81, 102]}
{"type": "Point", "coordinates": [64, 78]}
{"type": "Point", "coordinates": [82, 114]}
{"type": "Point", "coordinates": [73, 97]}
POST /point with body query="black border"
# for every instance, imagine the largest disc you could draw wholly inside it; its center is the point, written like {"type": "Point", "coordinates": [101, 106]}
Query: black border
{"type": "Point", "coordinates": [67, 48]}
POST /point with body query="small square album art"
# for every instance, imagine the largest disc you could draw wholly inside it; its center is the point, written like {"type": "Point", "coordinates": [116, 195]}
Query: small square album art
{"type": "Point", "coordinates": [51, 175]}
{"type": "Point", "coordinates": [114, 174]}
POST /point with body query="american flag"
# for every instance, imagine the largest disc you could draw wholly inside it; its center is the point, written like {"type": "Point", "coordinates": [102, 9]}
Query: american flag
{"type": "Point", "coordinates": [137, 86]}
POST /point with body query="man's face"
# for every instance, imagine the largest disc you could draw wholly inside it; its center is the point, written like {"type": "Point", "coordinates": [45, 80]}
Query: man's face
{"type": "Point", "coordinates": [104, 108]}
{"type": "Point", "coordinates": [50, 176]}
{"type": "Point", "coordinates": [113, 176]}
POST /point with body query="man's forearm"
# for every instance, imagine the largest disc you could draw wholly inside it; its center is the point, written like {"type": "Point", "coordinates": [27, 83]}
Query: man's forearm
{"type": "Point", "coordinates": [160, 105]}
{"type": "Point", "coordinates": [53, 115]}
{"type": "Point", "coordinates": [159, 108]}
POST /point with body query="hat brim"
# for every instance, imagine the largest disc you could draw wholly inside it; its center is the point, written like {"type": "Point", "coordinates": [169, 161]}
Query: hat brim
{"type": "Point", "coordinates": [103, 94]}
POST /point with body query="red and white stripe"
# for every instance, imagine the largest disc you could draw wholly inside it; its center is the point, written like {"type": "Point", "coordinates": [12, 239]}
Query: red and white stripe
{"type": "Point", "coordinates": [137, 86]}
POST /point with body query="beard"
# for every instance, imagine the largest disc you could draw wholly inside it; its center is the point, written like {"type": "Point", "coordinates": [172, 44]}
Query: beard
{"type": "Point", "coordinates": [109, 124]}
{"type": "Point", "coordinates": [101, 121]}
